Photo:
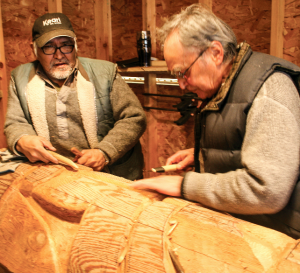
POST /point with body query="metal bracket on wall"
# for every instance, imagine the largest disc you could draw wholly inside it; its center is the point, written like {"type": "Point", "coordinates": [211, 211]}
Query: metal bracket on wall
{"type": "Point", "coordinates": [187, 107]}
{"type": "Point", "coordinates": [159, 81]}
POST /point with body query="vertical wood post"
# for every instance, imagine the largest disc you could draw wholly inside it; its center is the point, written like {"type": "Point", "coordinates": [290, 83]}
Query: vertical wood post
{"type": "Point", "coordinates": [149, 22]}
{"type": "Point", "coordinates": [277, 24]}
{"type": "Point", "coordinates": [151, 156]}
{"type": "Point", "coordinates": [54, 6]}
{"type": "Point", "coordinates": [103, 30]}
{"type": "Point", "coordinates": [3, 85]}
{"type": "Point", "coordinates": [207, 3]}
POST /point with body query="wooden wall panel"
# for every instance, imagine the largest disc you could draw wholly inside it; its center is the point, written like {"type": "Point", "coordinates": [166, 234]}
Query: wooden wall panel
{"type": "Point", "coordinates": [81, 14]}
{"type": "Point", "coordinates": [126, 22]}
{"type": "Point", "coordinates": [291, 42]}
{"type": "Point", "coordinates": [54, 6]}
{"type": "Point", "coordinates": [103, 30]}
{"type": "Point", "coordinates": [277, 21]}
{"type": "Point", "coordinates": [250, 20]}
{"type": "Point", "coordinates": [18, 18]}
{"type": "Point", "coordinates": [207, 3]}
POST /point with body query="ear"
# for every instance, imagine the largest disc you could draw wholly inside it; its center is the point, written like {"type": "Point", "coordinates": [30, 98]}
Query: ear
{"type": "Point", "coordinates": [32, 48]}
{"type": "Point", "coordinates": [217, 52]}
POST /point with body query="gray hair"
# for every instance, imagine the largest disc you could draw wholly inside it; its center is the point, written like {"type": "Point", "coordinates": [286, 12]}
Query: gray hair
{"type": "Point", "coordinates": [35, 46]}
{"type": "Point", "coordinates": [197, 27]}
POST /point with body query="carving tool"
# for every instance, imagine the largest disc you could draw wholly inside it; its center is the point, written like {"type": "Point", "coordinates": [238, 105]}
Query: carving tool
{"type": "Point", "coordinates": [176, 262]}
{"type": "Point", "coordinates": [168, 168]}
{"type": "Point", "coordinates": [64, 160]}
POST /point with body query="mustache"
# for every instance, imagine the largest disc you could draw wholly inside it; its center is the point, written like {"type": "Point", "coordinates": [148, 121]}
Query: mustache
{"type": "Point", "coordinates": [62, 61]}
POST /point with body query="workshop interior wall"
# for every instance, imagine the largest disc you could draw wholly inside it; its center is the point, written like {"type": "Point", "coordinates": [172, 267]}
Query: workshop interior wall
{"type": "Point", "coordinates": [291, 43]}
{"type": "Point", "coordinates": [250, 19]}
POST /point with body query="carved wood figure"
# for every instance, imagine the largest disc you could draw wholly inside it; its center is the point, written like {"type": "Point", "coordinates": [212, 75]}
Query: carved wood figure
{"type": "Point", "coordinates": [56, 219]}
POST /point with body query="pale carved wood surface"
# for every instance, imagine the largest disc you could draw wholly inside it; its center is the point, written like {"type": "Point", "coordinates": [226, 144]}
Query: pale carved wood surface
{"type": "Point", "coordinates": [55, 219]}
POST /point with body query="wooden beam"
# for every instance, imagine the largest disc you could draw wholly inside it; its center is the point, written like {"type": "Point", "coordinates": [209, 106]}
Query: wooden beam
{"type": "Point", "coordinates": [151, 156]}
{"type": "Point", "coordinates": [207, 3]}
{"type": "Point", "coordinates": [3, 85]}
{"type": "Point", "coordinates": [54, 6]}
{"type": "Point", "coordinates": [277, 24]}
{"type": "Point", "coordinates": [149, 22]}
{"type": "Point", "coordinates": [103, 30]}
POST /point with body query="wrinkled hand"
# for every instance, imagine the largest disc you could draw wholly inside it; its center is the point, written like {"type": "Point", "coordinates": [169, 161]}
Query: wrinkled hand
{"type": "Point", "coordinates": [165, 184]}
{"type": "Point", "coordinates": [92, 158]}
{"type": "Point", "coordinates": [34, 148]}
{"type": "Point", "coordinates": [184, 159]}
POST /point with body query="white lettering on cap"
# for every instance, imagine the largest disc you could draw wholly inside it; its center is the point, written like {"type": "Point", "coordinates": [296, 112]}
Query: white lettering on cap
{"type": "Point", "coordinates": [53, 21]}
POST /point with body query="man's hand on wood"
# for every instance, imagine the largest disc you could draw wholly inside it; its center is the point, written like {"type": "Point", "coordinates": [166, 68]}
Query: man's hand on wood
{"type": "Point", "coordinates": [92, 158]}
{"type": "Point", "coordinates": [34, 148]}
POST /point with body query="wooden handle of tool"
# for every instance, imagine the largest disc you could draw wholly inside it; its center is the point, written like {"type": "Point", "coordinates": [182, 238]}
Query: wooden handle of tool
{"type": "Point", "coordinates": [64, 160]}
{"type": "Point", "coordinates": [168, 168]}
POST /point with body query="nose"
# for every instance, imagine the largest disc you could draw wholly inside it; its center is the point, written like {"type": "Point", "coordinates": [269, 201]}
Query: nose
{"type": "Point", "coordinates": [58, 54]}
{"type": "Point", "coordinates": [182, 83]}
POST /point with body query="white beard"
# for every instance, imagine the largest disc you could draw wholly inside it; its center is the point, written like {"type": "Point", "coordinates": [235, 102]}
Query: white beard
{"type": "Point", "coordinates": [61, 73]}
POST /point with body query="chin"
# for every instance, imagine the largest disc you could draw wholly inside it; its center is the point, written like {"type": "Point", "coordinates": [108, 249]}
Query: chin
{"type": "Point", "coordinates": [61, 75]}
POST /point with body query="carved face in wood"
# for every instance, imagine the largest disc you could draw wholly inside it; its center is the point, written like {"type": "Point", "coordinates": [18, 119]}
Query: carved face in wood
{"type": "Point", "coordinates": [58, 66]}
{"type": "Point", "coordinates": [202, 75]}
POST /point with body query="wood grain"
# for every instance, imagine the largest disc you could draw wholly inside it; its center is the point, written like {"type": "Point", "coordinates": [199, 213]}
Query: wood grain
{"type": "Point", "coordinates": [88, 221]}
{"type": "Point", "coordinates": [277, 23]}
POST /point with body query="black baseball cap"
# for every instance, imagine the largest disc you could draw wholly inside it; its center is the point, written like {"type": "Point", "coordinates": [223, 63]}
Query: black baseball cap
{"type": "Point", "coordinates": [49, 26]}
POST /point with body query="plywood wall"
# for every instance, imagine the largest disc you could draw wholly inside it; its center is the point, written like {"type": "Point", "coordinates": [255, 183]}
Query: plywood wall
{"type": "Point", "coordinates": [250, 20]}
{"type": "Point", "coordinates": [126, 18]}
{"type": "Point", "coordinates": [291, 42]}
{"type": "Point", "coordinates": [18, 18]}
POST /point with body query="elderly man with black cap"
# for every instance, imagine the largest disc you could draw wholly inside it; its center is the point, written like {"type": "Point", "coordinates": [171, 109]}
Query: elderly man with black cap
{"type": "Point", "coordinates": [62, 101]}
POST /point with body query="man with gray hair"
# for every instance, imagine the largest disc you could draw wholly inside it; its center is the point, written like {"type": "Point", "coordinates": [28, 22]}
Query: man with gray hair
{"type": "Point", "coordinates": [61, 101]}
{"type": "Point", "coordinates": [247, 128]}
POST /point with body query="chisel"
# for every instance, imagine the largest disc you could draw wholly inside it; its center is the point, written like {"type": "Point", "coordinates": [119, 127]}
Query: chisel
{"type": "Point", "coordinates": [163, 169]}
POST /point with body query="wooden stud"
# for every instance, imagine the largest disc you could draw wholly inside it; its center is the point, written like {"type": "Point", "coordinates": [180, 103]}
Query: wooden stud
{"type": "Point", "coordinates": [277, 24]}
{"type": "Point", "coordinates": [54, 6]}
{"type": "Point", "coordinates": [3, 85]}
{"type": "Point", "coordinates": [149, 22]}
{"type": "Point", "coordinates": [103, 30]}
{"type": "Point", "coordinates": [151, 156]}
{"type": "Point", "coordinates": [207, 3]}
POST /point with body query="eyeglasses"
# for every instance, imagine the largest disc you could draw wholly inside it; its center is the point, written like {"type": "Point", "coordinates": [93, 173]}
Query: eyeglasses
{"type": "Point", "coordinates": [180, 75]}
{"type": "Point", "coordinates": [65, 49]}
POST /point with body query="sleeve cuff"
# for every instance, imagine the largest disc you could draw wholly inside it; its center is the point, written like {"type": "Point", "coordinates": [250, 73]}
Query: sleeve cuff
{"type": "Point", "coordinates": [182, 193]}
{"type": "Point", "coordinates": [105, 156]}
